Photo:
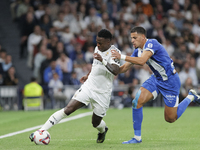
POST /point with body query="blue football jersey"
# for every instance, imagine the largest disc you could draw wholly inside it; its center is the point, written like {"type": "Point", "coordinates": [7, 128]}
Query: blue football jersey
{"type": "Point", "coordinates": [160, 62]}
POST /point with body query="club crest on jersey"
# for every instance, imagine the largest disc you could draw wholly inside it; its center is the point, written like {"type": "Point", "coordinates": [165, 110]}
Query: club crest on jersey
{"type": "Point", "coordinates": [107, 53]}
{"type": "Point", "coordinates": [150, 45]}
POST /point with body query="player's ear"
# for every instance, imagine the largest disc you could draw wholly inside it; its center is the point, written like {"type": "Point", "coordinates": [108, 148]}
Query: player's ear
{"type": "Point", "coordinates": [143, 36]}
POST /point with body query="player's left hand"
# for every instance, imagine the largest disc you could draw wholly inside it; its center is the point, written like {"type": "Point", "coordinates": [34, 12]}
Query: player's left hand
{"type": "Point", "coordinates": [83, 79]}
{"type": "Point", "coordinates": [115, 54]}
{"type": "Point", "coordinates": [97, 56]}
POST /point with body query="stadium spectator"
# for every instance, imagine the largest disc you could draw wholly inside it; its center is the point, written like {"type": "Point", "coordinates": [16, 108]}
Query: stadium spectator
{"type": "Point", "coordinates": [48, 72]}
{"type": "Point", "coordinates": [45, 63]}
{"type": "Point", "coordinates": [79, 61]}
{"type": "Point", "coordinates": [54, 8]}
{"type": "Point", "coordinates": [145, 7]}
{"type": "Point", "coordinates": [188, 72]}
{"type": "Point", "coordinates": [73, 79]}
{"type": "Point", "coordinates": [77, 24]}
{"type": "Point", "coordinates": [46, 24]}
{"type": "Point", "coordinates": [59, 24]}
{"type": "Point", "coordinates": [26, 28]}
{"type": "Point", "coordinates": [144, 73]}
{"type": "Point", "coordinates": [3, 55]}
{"type": "Point", "coordinates": [59, 49]}
{"type": "Point", "coordinates": [169, 47]}
{"type": "Point", "coordinates": [113, 8]}
{"type": "Point", "coordinates": [73, 49]}
{"type": "Point", "coordinates": [186, 10]}
{"type": "Point", "coordinates": [33, 40]}
{"type": "Point", "coordinates": [93, 17]}
{"type": "Point", "coordinates": [39, 12]}
{"type": "Point", "coordinates": [66, 66]}
{"type": "Point", "coordinates": [10, 77]}
{"type": "Point", "coordinates": [153, 31]}
{"type": "Point", "coordinates": [185, 88]}
{"type": "Point", "coordinates": [89, 54]}
{"type": "Point", "coordinates": [90, 42]}
{"type": "Point", "coordinates": [172, 13]}
{"type": "Point", "coordinates": [7, 63]}
{"type": "Point", "coordinates": [67, 9]}
{"type": "Point", "coordinates": [143, 21]}
{"type": "Point", "coordinates": [126, 78]}
{"type": "Point", "coordinates": [194, 46]}
{"type": "Point", "coordinates": [53, 42]}
{"type": "Point", "coordinates": [179, 56]}
{"type": "Point", "coordinates": [22, 8]}
{"type": "Point", "coordinates": [82, 38]}
{"type": "Point", "coordinates": [66, 36]}
{"type": "Point", "coordinates": [56, 89]}
{"type": "Point", "coordinates": [39, 58]}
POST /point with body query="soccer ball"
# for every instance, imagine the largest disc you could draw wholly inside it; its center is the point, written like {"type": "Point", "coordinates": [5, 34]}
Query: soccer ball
{"type": "Point", "coordinates": [41, 137]}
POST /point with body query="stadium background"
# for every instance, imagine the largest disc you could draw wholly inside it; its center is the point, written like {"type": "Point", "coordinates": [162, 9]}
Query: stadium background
{"type": "Point", "coordinates": [174, 23]}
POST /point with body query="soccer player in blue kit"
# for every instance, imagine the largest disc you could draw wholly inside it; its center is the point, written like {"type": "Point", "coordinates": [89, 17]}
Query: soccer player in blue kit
{"type": "Point", "coordinates": [164, 80]}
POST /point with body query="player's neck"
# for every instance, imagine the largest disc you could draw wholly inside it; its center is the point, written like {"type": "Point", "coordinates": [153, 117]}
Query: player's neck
{"type": "Point", "coordinates": [143, 43]}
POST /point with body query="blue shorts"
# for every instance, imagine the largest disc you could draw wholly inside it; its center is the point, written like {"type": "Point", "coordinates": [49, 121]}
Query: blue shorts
{"type": "Point", "coordinates": [169, 89]}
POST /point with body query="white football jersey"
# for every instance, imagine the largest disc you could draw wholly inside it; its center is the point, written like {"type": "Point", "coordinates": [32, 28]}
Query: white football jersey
{"type": "Point", "coordinates": [100, 78]}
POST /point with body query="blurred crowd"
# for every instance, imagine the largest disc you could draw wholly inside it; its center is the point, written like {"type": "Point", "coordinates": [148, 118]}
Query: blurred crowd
{"type": "Point", "coordinates": [59, 36]}
{"type": "Point", "coordinates": [7, 69]}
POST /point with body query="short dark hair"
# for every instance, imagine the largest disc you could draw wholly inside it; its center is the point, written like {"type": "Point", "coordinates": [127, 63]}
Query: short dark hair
{"type": "Point", "coordinates": [139, 30]}
{"type": "Point", "coordinates": [104, 33]}
{"type": "Point", "coordinates": [33, 79]}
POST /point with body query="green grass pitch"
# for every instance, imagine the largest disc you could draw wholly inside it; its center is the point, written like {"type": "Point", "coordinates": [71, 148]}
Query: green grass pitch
{"type": "Point", "coordinates": [79, 134]}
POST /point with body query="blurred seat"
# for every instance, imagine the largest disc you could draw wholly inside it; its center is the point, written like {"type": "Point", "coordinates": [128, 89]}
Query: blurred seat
{"type": "Point", "coordinates": [8, 97]}
{"type": "Point", "coordinates": [33, 103]}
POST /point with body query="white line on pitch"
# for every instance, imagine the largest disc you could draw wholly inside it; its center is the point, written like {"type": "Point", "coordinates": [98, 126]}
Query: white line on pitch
{"type": "Point", "coordinates": [39, 126]}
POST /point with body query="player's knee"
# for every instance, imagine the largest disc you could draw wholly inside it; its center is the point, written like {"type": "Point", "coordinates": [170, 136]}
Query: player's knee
{"type": "Point", "coordinates": [68, 110]}
{"type": "Point", "coordinates": [95, 124]}
{"type": "Point", "coordinates": [170, 119]}
{"type": "Point", "coordinates": [135, 100]}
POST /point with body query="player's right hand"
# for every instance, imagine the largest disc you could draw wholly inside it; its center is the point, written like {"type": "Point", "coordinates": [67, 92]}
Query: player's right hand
{"type": "Point", "coordinates": [97, 56]}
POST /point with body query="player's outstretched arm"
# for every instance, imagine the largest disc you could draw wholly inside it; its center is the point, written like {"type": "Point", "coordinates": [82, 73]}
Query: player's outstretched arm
{"type": "Point", "coordinates": [125, 67]}
{"type": "Point", "coordinates": [134, 60]}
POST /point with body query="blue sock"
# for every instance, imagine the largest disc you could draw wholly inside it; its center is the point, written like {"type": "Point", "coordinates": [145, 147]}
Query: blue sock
{"type": "Point", "coordinates": [137, 115]}
{"type": "Point", "coordinates": [182, 106]}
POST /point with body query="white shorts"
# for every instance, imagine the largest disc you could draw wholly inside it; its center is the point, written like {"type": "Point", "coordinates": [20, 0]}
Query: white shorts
{"type": "Point", "coordinates": [99, 101]}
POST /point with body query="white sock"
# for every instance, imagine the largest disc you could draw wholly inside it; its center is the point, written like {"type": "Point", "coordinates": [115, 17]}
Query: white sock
{"type": "Point", "coordinates": [191, 97]}
{"type": "Point", "coordinates": [101, 126]}
{"type": "Point", "coordinates": [54, 119]}
{"type": "Point", "coordinates": [137, 137]}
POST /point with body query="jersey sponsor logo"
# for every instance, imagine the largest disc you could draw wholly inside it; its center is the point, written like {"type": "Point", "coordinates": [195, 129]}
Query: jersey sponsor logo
{"type": "Point", "coordinates": [150, 45]}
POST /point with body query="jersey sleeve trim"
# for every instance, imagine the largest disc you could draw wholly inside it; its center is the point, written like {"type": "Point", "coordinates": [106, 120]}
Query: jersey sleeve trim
{"type": "Point", "coordinates": [149, 50]}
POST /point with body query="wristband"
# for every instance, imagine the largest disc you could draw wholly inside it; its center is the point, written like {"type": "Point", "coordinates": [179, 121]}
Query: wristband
{"type": "Point", "coordinates": [104, 62]}
{"type": "Point", "coordinates": [123, 57]}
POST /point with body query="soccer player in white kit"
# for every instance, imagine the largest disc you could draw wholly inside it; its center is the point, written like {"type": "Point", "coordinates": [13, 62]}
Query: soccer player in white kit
{"type": "Point", "coordinates": [96, 89]}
